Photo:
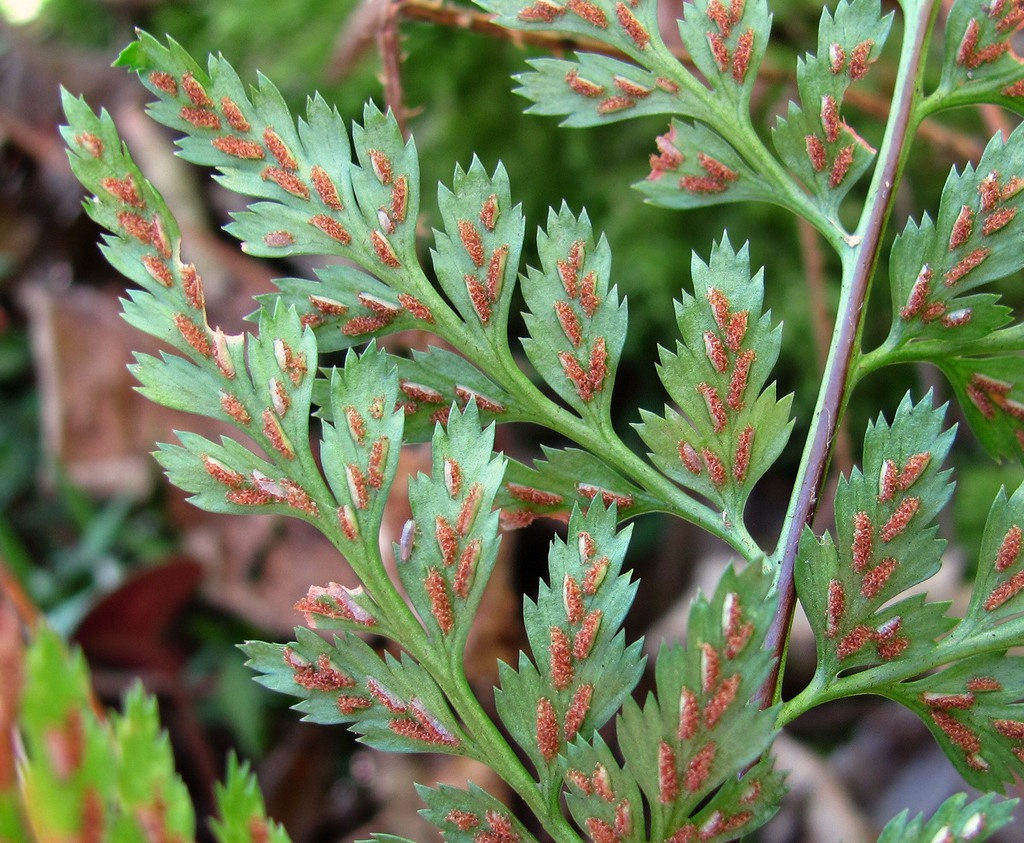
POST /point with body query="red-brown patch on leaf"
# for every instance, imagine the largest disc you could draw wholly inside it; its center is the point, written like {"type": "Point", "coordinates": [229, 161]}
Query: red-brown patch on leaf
{"type": "Point", "coordinates": [875, 579]}
{"type": "Point", "coordinates": [548, 739]}
{"type": "Point", "coordinates": [201, 118]}
{"type": "Point", "coordinates": [590, 12]}
{"type": "Point", "coordinates": [699, 768]}
{"type": "Point", "coordinates": [840, 166]}
{"type": "Point", "coordinates": [835, 608]}
{"type": "Point", "coordinates": [741, 458]}
{"type": "Point", "coordinates": [613, 104]}
{"type": "Point", "coordinates": [583, 642]}
{"type": "Point", "coordinates": [125, 189]}
{"type": "Point", "coordinates": [741, 56]}
{"type": "Point", "coordinates": [715, 467]}
{"type": "Point", "coordinates": [239, 148]}
{"type": "Point", "coordinates": [816, 153]}
{"type": "Point", "coordinates": [542, 11]}
{"type": "Point", "coordinates": [164, 81]}
{"type": "Point", "coordinates": [859, 59]}
{"type": "Point", "coordinates": [720, 702]}
{"type": "Point", "coordinates": [579, 707]}
{"type": "Point", "coordinates": [325, 188]}
{"type": "Point", "coordinates": [195, 91]}
{"type": "Point", "coordinates": [193, 334]}
{"type": "Point", "coordinates": [279, 150]}
{"type": "Point", "coordinates": [899, 520]}
{"type": "Point", "coordinates": [633, 28]}
{"type": "Point", "coordinates": [332, 228]}
{"type": "Point", "coordinates": [233, 114]}
{"type": "Point", "coordinates": [715, 406]}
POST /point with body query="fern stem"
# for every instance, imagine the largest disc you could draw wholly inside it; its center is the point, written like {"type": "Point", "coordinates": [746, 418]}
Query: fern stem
{"type": "Point", "coordinates": [604, 442]}
{"type": "Point", "coordinates": [859, 259]}
{"type": "Point", "coordinates": [493, 750]}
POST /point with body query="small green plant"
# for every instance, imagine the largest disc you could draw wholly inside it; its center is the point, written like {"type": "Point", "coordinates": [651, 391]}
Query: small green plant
{"type": "Point", "coordinates": [688, 762]}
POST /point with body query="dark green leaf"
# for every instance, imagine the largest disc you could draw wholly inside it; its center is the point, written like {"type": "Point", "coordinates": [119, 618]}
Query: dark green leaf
{"type": "Point", "coordinates": [727, 431]}
{"type": "Point", "coordinates": [956, 821]}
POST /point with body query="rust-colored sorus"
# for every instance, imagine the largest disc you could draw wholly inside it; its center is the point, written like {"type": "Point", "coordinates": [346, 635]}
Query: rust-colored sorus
{"type": "Point", "coordinates": [899, 520]}
{"type": "Point", "coordinates": [239, 147]}
{"type": "Point", "coordinates": [840, 166]}
{"type": "Point", "coordinates": [716, 469]}
{"type": "Point", "coordinates": [578, 709]}
{"type": "Point", "coordinates": [613, 104]}
{"type": "Point", "coordinates": [631, 88]}
{"type": "Point", "coordinates": [590, 12]}
{"type": "Point", "coordinates": [836, 58]}
{"type": "Point", "coordinates": [483, 403]}
{"type": "Point", "coordinates": [193, 334]}
{"type": "Point", "coordinates": [861, 547]}
{"type": "Point", "coordinates": [466, 568]}
{"type": "Point", "coordinates": [440, 602]}
{"type": "Point", "coordinates": [738, 380]}
{"type": "Point", "coordinates": [741, 56]}
{"type": "Point", "coordinates": [830, 120]}
{"type": "Point", "coordinates": [537, 497]}
{"type": "Point", "coordinates": [125, 189]}
{"type": "Point", "coordinates": [447, 539]}
{"type": "Point", "coordinates": [222, 474]}
{"type": "Point", "coordinates": [636, 31]}
{"type": "Point", "coordinates": [572, 599]}
{"type": "Point", "coordinates": [719, 51]}
{"type": "Point", "coordinates": [590, 301]}
{"type": "Point", "coordinates": [668, 776]}
{"type": "Point", "coordinates": [279, 239]}
{"type": "Point", "coordinates": [710, 667]}
{"type": "Point", "coordinates": [816, 153]}
{"type": "Point", "coordinates": [583, 641]}
{"type": "Point", "coordinates": [164, 81]}
{"type": "Point", "coordinates": [543, 11]}
{"type": "Point", "coordinates": [570, 322]}
{"type": "Point", "coordinates": [478, 297]}
{"type": "Point", "coordinates": [384, 250]}
{"type": "Point", "coordinates": [859, 59]}
{"type": "Point", "coordinates": [997, 220]}
{"type": "Point", "coordinates": [195, 91]}
{"type": "Point", "coordinates": [233, 114]}
{"type": "Point", "coordinates": [332, 228]}
{"type": "Point", "coordinates": [958, 733]}
{"type": "Point", "coordinates": [835, 608]}
{"type": "Point", "coordinates": [721, 700]}
{"type": "Point", "coordinates": [548, 739]}
{"type": "Point", "coordinates": [699, 768]}
{"type": "Point", "coordinates": [201, 118]}
{"type": "Point", "coordinates": [715, 406]}
{"type": "Point", "coordinates": [608, 497]}
{"type": "Point", "coordinates": [689, 457]}
{"type": "Point", "coordinates": [876, 578]}
{"type": "Point", "coordinates": [469, 509]}
{"type": "Point", "coordinates": [376, 464]}
{"type": "Point", "coordinates": [90, 143]}
{"type": "Point", "coordinates": [1009, 549]}
{"type": "Point", "coordinates": [158, 270]}
{"type": "Point", "coordinates": [286, 181]}
{"type": "Point", "coordinates": [741, 458]}
{"type": "Point", "coordinates": [689, 714]}
{"type": "Point", "coordinates": [1004, 592]}
{"type": "Point", "coordinates": [715, 351]}
{"type": "Point", "coordinates": [462, 820]}
{"type": "Point", "coordinates": [560, 656]}
{"type": "Point", "coordinates": [962, 228]}
{"type": "Point", "coordinates": [381, 165]}
{"type": "Point", "coordinates": [416, 308]}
